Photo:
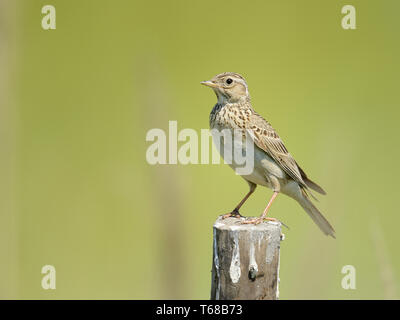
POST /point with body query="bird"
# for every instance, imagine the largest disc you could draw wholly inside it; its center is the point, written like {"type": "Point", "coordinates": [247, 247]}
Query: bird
{"type": "Point", "coordinates": [274, 166]}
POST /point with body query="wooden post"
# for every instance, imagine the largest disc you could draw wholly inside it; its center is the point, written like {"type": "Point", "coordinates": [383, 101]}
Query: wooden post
{"type": "Point", "coordinates": [245, 260]}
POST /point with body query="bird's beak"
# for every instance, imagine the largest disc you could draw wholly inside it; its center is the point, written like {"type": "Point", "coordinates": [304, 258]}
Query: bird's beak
{"type": "Point", "coordinates": [209, 84]}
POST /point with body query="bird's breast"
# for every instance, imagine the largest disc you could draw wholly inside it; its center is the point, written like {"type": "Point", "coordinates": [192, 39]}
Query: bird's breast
{"type": "Point", "coordinates": [228, 131]}
{"type": "Point", "coordinates": [228, 116]}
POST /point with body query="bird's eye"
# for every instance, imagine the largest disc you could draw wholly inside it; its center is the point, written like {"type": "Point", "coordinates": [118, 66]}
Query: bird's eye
{"type": "Point", "coordinates": [229, 81]}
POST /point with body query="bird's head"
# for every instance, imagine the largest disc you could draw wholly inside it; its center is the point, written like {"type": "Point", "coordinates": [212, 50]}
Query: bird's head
{"type": "Point", "coordinates": [229, 87]}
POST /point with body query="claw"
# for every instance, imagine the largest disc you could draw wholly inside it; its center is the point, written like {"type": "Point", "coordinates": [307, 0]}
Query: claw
{"type": "Point", "coordinates": [284, 224]}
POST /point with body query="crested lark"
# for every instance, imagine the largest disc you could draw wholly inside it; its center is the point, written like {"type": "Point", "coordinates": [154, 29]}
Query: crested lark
{"type": "Point", "coordinates": [274, 167]}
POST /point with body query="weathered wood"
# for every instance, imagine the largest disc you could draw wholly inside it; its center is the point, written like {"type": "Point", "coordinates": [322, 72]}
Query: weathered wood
{"type": "Point", "coordinates": [245, 260]}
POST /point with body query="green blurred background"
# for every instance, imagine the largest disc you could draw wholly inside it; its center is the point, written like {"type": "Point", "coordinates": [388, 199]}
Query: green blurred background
{"type": "Point", "coordinates": [76, 104]}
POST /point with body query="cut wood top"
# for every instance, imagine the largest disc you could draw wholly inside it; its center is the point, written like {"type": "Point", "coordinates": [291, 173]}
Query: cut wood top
{"type": "Point", "coordinates": [235, 224]}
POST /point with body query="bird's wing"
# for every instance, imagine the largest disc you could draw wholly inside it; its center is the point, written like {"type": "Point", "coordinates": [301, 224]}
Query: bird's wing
{"type": "Point", "coordinates": [268, 140]}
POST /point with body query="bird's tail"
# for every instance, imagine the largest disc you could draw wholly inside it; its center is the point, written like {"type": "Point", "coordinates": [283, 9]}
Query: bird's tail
{"type": "Point", "coordinates": [314, 213]}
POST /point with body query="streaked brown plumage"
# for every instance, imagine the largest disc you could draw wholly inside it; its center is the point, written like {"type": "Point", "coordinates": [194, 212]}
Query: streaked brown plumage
{"type": "Point", "coordinates": [274, 165]}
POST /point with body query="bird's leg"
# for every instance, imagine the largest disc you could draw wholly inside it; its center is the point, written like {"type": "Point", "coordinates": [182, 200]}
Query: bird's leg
{"type": "Point", "coordinates": [264, 214]}
{"type": "Point", "coordinates": [235, 212]}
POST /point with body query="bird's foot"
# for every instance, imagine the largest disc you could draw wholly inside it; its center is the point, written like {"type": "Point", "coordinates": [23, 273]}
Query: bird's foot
{"type": "Point", "coordinates": [259, 220]}
{"type": "Point", "coordinates": [235, 213]}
